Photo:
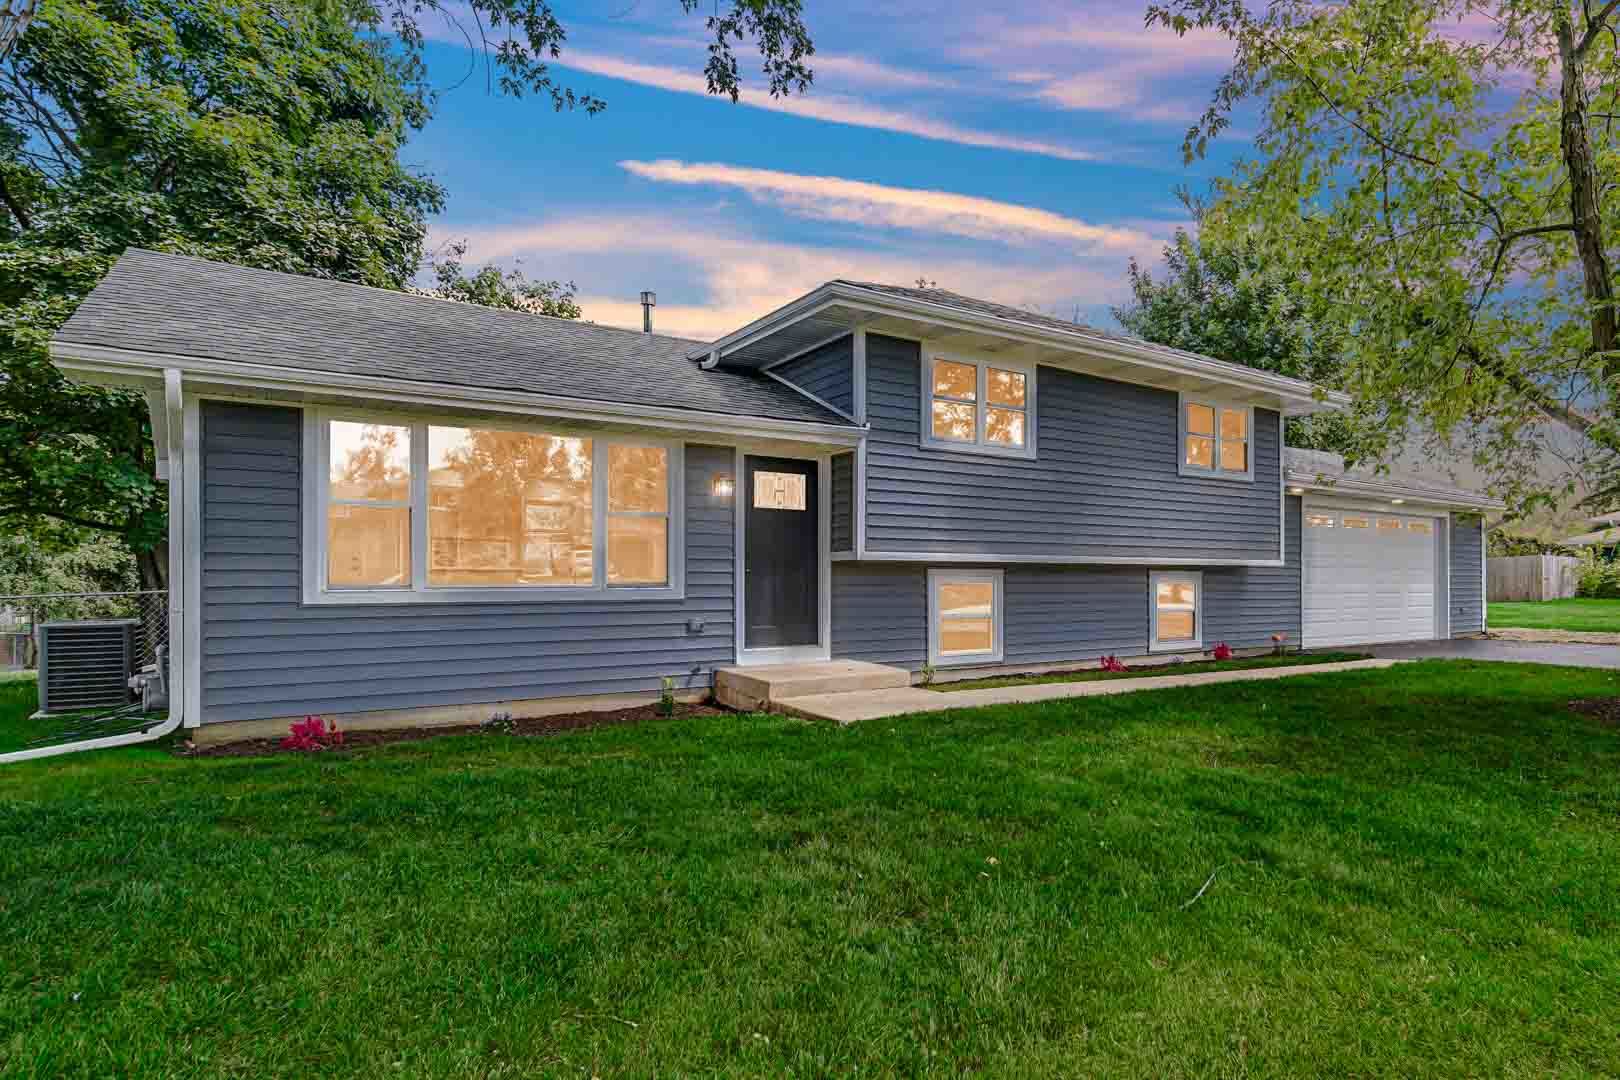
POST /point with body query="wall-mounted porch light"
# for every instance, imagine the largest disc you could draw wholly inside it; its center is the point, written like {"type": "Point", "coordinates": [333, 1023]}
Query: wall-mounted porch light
{"type": "Point", "coordinates": [1396, 502]}
{"type": "Point", "coordinates": [1296, 491]}
{"type": "Point", "coordinates": [722, 487]}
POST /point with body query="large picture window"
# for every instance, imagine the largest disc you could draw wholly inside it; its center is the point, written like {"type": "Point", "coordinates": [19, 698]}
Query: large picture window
{"type": "Point", "coordinates": [416, 510]}
{"type": "Point", "coordinates": [980, 405]}
{"type": "Point", "coordinates": [1216, 439]}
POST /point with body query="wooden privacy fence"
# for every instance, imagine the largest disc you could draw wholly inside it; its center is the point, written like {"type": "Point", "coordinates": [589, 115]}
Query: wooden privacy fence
{"type": "Point", "coordinates": [1530, 577]}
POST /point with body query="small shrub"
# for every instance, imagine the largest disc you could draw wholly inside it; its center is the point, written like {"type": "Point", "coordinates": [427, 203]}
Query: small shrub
{"type": "Point", "coordinates": [1597, 578]}
{"type": "Point", "coordinates": [312, 734]}
{"type": "Point", "coordinates": [500, 722]}
{"type": "Point", "coordinates": [1113, 663]}
{"type": "Point", "coordinates": [1279, 644]}
{"type": "Point", "coordinates": [1223, 651]}
{"type": "Point", "coordinates": [666, 698]}
{"type": "Point", "coordinates": [926, 676]}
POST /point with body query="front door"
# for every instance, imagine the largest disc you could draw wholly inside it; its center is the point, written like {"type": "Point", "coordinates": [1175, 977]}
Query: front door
{"type": "Point", "coordinates": [781, 556]}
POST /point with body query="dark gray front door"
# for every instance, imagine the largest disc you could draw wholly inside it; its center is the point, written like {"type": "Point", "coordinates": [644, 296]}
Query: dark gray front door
{"type": "Point", "coordinates": [781, 560]}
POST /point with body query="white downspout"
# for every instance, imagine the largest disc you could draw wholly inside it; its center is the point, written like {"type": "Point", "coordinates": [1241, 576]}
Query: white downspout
{"type": "Point", "coordinates": [173, 428]}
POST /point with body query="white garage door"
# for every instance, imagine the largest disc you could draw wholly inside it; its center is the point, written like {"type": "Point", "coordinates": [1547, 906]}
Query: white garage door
{"type": "Point", "coordinates": [1369, 577]}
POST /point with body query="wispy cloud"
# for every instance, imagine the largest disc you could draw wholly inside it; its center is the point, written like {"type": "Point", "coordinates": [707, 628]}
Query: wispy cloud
{"type": "Point", "coordinates": [833, 198]}
{"type": "Point", "coordinates": [819, 106]}
{"type": "Point", "coordinates": [712, 280]}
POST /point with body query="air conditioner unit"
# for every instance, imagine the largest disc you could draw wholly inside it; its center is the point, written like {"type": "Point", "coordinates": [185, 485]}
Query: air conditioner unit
{"type": "Point", "coordinates": [86, 665]}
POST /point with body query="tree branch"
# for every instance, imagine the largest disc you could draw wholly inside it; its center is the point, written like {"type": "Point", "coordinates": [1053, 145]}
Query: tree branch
{"type": "Point", "coordinates": [1595, 25]}
{"type": "Point", "coordinates": [14, 206]}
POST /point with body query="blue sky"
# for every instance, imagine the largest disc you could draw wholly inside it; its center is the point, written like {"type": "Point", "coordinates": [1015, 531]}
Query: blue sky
{"type": "Point", "coordinates": [1023, 155]}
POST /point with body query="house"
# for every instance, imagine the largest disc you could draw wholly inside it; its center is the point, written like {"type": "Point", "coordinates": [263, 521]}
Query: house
{"type": "Point", "coordinates": [398, 508]}
{"type": "Point", "coordinates": [1604, 537]}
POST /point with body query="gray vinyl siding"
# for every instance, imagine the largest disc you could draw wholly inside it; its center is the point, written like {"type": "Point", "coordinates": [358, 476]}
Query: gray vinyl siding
{"type": "Point", "coordinates": [265, 654]}
{"type": "Point", "coordinates": [827, 372]}
{"type": "Point", "coordinates": [1104, 485]}
{"type": "Point", "coordinates": [1245, 605]}
{"type": "Point", "coordinates": [880, 613]}
{"type": "Point", "coordinates": [1467, 584]}
{"type": "Point", "coordinates": [843, 502]}
{"type": "Point", "coordinates": [1057, 614]}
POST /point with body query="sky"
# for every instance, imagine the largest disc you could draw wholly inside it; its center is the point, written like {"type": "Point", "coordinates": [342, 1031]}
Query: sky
{"type": "Point", "coordinates": [1022, 154]}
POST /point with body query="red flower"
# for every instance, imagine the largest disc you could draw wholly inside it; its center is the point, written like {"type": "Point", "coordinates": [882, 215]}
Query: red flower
{"type": "Point", "coordinates": [1223, 651]}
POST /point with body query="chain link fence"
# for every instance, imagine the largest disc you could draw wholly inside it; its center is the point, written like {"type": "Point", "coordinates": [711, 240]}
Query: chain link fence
{"type": "Point", "coordinates": [21, 615]}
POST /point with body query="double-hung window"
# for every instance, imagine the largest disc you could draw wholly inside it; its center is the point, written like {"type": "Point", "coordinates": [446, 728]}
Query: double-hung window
{"type": "Point", "coordinates": [964, 625]}
{"type": "Point", "coordinates": [414, 510]}
{"type": "Point", "coordinates": [1216, 439]}
{"type": "Point", "coordinates": [978, 405]}
{"type": "Point", "coordinates": [1177, 612]}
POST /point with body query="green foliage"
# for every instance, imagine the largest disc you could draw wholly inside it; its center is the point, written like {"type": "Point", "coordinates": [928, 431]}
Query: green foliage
{"type": "Point", "coordinates": [263, 134]}
{"type": "Point", "coordinates": [1227, 301]}
{"type": "Point", "coordinates": [1438, 198]}
{"type": "Point", "coordinates": [490, 287]}
{"type": "Point", "coordinates": [1503, 543]}
{"type": "Point", "coordinates": [1597, 578]}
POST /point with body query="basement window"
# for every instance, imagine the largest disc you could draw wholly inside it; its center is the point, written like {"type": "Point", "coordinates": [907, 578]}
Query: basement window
{"type": "Point", "coordinates": [1176, 611]}
{"type": "Point", "coordinates": [964, 617]}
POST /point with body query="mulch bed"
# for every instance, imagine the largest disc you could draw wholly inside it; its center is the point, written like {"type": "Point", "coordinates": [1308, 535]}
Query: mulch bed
{"type": "Point", "coordinates": [529, 726]}
{"type": "Point", "coordinates": [1605, 710]}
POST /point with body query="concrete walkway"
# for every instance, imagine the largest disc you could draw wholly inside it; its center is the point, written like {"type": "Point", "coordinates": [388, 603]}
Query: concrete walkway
{"type": "Point", "coordinates": [1583, 637]}
{"type": "Point", "coordinates": [1524, 652]}
{"type": "Point", "coordinates": [847, 708]}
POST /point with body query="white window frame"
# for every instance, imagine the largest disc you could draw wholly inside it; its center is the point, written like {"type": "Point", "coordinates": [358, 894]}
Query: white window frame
{"type": "Point", "coordinates": [1216, 472]}
{"type": "Point", "coordinates": [981, 365]}
{"type": "Point", "coordinates": [938, 577]}
{"type": "Point", "coordinates": [317, 478]}
{"type": "Point", "coordinates": [1196, 643]}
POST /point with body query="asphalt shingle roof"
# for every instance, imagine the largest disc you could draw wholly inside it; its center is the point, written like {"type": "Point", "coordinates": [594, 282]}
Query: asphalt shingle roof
{"type": "Point", "coordinates": [183, 306]}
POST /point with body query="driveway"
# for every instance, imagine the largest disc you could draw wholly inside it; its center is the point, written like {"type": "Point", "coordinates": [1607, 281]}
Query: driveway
{"type": "Point", "coordinates": [1524, 652]}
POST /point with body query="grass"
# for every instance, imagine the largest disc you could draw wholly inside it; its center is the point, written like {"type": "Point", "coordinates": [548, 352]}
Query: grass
{"type": "Point", "coordinates": [1577, 614]}
{"type": "Point", "coordinates": [1151, 671]}
{"type": "Point", "coordinates": [1415, 873]}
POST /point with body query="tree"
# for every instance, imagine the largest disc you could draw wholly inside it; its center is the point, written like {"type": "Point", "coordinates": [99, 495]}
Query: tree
{"type": "Point", "coordinates": [511, 290]}
{"type": "Point", "coordinates": [1228, 302]}
{"type": "Point", "coordinates": [261, 133]}
{"type": "Point", "coordinates": [1436, 176]}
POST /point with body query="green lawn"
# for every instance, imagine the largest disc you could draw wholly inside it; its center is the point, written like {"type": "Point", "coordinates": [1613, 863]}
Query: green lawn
{"type": "Point", "coordinates": [1578, 614]}
{"type": "Point", "coordinates": [1416, 872]}
{"type": "Point", "coordinates": [1148, 671]}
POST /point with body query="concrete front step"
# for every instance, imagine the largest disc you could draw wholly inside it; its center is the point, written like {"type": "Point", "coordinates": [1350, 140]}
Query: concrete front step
{"type": "Point", "coordinates": [751, 688]}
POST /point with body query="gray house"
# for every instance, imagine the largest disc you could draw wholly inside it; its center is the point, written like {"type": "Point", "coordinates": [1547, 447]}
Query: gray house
{"type": "Point", "coordinates": [399, 506]}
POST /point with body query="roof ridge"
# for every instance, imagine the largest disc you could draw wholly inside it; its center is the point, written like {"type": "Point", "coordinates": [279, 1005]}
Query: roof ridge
{"type": "Point", "coordinates": [406, 294]}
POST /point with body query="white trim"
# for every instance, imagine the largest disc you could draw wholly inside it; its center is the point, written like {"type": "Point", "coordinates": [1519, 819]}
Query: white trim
{"type": "Point", "coordinates": [316, 475]}
{"type": "Point", "coordinates": [858, 366]}
{"type": "Point", "coordinates": [1196, 643]}
{"type": "Point", "coordinates": [956, 557]}
{"type": "Point", "coordinates": [190, 557]}
{"type": "Point", "coordinates": [1282, 499]}
{"type": "Point", "coordinates": [1374, 489]}
{"type": "Point", "coordinates": [854, 298]}
{"type": "Point", "coordinates": [928, 355]}
{"type": "Point", "coordinates": [1330, 504]}
{"type": "Point", "coordinates": [788, 654]}
{"type": "Point", "coordinates": [807, 350]}
{"type": "Point", "coordinates": [97, 359]}
{"type": "Point", "coordinates": [860, 500]}
{"type": "Point", "coordinates": [1217, 406]}
{"type": "Point", "coordinates": [996, 578]}
{"type": "Point", "coordinates": [796, 388]}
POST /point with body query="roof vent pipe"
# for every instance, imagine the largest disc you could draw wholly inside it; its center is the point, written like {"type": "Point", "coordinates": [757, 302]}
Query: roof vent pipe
{"type": "Point", "coordinates": [649, 300]}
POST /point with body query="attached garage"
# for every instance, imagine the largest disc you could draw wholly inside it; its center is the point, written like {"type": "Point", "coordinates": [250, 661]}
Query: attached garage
{"type": "Point", "coordinates": [1372, 576]}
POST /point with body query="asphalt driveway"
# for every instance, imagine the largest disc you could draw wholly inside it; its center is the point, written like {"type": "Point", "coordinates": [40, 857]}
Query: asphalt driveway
{"type": "Point", "coordinates": [1524, 652]}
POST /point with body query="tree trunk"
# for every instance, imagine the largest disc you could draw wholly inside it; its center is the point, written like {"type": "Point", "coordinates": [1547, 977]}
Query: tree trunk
{"type": "Point", "coordinates": [1583, 201]}
{"type": "Point", "coordinates": [154, 568]}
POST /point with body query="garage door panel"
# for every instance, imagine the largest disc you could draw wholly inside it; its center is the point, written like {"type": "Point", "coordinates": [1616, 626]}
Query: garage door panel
{"type": "Point", "coordinates": [1368, 577]}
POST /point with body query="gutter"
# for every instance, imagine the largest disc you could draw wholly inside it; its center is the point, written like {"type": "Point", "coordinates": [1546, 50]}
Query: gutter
{"type": "Point", "coordinates": [1448, 498]}
{"type": "Point", "coordinates": [173, 404]}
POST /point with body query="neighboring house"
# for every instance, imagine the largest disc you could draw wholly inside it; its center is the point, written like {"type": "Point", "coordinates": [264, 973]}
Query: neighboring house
{"type": "Point", "coordinates": [1605, 536]}
{"type": "Point", "coordinates": [385, 503]}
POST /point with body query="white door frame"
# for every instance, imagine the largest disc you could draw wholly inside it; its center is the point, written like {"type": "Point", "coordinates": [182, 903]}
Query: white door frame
{"type": "Point", "coordinates": [787, 654]}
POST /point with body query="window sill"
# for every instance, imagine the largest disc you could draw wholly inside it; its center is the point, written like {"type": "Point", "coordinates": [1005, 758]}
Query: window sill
{"type": "Point", "coordinates": [1017, 453]}
{"type": "Point", "coordinates": [1177, 647]}
{"type": "Point", "coordinates": [1216, 474]}
{"type": "Point", "coordinates": [440, 597]}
